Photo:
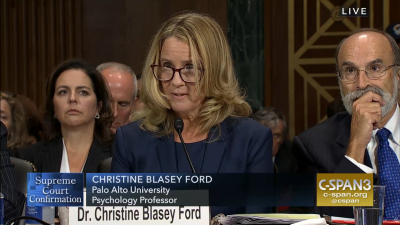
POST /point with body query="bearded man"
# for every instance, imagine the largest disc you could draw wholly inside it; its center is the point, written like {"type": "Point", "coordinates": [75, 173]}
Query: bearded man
{"type": "Point", "coordinates": [366, 138]}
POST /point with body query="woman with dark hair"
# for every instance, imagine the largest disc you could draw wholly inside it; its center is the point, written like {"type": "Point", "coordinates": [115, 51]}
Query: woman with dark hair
{"type": "Point", "coordinates": [76, 122]}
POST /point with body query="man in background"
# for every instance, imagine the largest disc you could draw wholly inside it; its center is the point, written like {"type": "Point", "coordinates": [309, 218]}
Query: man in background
{"type": "Point", "coordinates": [123, 86]}
{"type": "Point", "coordinates": [138, 105]}
{"type": "Point", "coordinates": [281, 148]}
{"type": "Point", "coordinates": [13, 199]}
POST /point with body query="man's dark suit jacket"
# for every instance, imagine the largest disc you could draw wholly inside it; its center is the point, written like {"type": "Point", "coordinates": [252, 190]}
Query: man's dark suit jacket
{"type": "Point", "coordinates": [284, 159]}
{"type": "Point", "coordinates": [13, 199]}
{"type": "Point", "coordinates": [47, 156]}
{"type": "Point", "coordinates": [322, 149]}
{"type": "Point", "coordinates": [14, 153]}
{"type": "Point", "coordinates": [244, 146]}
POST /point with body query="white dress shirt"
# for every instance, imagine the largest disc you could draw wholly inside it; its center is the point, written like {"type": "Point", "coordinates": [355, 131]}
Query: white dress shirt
{"type": "Point", "coordinates": [393, 125]}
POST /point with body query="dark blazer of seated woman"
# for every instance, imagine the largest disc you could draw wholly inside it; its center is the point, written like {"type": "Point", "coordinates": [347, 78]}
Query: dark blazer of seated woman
{"type": "Point", "coordinates": [47, 155]}
{"type": "Point", "coordinates": [240, 149]}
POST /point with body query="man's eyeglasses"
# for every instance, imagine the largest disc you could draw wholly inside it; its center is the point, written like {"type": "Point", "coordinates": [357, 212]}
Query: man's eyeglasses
{"type": "Point", "coordinates": [374, 71]}
{"type": "Point", "coordinates": [188, 74]}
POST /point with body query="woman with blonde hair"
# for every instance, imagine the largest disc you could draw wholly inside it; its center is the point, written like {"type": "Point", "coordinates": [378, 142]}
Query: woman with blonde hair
{"type": "Point", "coordinates": [189, 74]}
{"type": "Point", "coordinates": [13, 117]}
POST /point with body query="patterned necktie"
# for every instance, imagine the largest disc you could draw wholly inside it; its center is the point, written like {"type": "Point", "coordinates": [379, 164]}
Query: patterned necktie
{"type": "Point", "coordinates": [389, 174]}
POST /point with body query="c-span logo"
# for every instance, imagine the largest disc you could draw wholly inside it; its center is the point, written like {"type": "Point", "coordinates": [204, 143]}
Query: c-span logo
{"type": "Point", "coordinates": [345, 189]}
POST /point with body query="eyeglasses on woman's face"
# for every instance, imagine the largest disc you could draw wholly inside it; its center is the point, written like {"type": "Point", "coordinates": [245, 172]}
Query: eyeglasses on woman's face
{"type": "Point", "coordinates": [166, 73]}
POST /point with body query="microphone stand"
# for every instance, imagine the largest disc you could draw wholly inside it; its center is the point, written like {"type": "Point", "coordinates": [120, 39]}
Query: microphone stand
{"type": "Point", "coordinates": [186, 152]}
{"type": "Point", "coordinates": [16, 219]}
{"type": "Point", "coordinates": [179, 128]}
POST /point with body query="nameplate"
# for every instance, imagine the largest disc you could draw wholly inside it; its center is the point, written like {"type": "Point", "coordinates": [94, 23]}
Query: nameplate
{"type": "Point", "coordinates": [146, 215]}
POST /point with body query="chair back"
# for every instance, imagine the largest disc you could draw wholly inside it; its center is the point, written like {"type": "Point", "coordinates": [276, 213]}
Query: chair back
{"type": "Point", "coordinates": [21, 169]}
{"type": "Point", "coordinates": [105, 166]}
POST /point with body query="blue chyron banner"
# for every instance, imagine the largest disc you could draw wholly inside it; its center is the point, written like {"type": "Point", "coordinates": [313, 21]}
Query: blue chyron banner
{"type": "Point", "coordinates": [144, 189]}
{"type": "Point", "coordinates": [55, 189]}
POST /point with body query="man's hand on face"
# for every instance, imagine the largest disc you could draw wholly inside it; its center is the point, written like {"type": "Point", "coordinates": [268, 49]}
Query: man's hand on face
{"type": "Point", "coordinates": [367, 113]}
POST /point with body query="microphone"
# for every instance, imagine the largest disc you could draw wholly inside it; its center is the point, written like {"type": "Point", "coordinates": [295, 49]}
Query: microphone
{"type": "Point", "coordinates": [179, 128]}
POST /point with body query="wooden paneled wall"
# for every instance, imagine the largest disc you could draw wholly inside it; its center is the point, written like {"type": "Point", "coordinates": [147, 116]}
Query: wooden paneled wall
{"type": "Point", "coordinates": [36, 35]}
{"type": "Point", "coordinates": [121, 30]}
{"type": "Point", "coordinates": [300, 74]}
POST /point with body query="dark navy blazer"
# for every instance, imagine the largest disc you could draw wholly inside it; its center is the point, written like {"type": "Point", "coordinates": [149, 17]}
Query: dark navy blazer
{"type": "Point", "coordinates": [244, 146]}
